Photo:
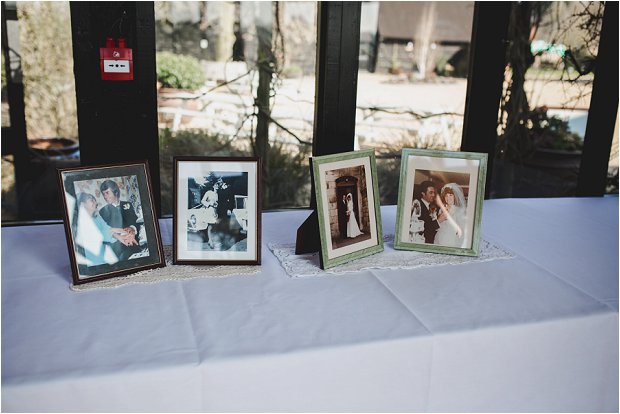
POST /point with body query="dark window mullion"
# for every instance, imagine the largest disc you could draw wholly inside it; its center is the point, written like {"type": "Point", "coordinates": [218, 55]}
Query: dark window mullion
{"type": "Point", "coordinates": [337, 62]}
{"type": "Point", "coordinates": [603, 109]}
{"type": "Point", "coordinates": [117, 120]}
{"type": "Point", "coordinates": [337, 66]}
{"type": "Point", "coordinates": [16, 139]}
{"type": "Point", "coordinates": [486, 76]}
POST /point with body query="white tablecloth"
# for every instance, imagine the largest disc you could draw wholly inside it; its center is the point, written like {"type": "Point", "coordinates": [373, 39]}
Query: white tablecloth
{"type": "Point", "coordinates": [535, 333]}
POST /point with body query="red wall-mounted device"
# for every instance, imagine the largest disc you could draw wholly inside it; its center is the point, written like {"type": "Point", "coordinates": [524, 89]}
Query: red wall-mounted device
{"type": "Point", "coordinates": [116, 61]}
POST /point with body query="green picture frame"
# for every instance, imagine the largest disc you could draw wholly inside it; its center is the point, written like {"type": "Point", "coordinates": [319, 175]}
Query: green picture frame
{"type": "Point", "coordinates": [347, 199]}
{"type": "Point", "coordinates": [446, 221]}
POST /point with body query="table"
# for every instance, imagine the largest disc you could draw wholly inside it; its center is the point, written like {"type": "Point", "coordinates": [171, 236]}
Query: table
{"type": "Point", "coordinates": [538, 332]}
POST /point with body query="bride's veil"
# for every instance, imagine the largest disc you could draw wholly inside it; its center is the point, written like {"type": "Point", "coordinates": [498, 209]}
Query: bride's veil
{"type": "Point", "coordinates": [459, 197]}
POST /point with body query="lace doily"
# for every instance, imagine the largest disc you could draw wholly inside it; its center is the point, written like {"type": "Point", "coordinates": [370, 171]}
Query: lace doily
{"type": "Point", "coordinates": [305, 265]}
{"type": "Point", "coordinates": [170, 272]}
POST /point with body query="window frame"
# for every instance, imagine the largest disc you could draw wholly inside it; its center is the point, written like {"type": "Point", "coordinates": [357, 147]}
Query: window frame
{"type": "Point", "coordinates": [113, 132]}
{"type": "Point", "coordinates": [603, 110]}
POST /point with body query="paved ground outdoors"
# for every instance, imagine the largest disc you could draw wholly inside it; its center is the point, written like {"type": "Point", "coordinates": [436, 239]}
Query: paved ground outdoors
{"type": "Point", "coordinates": [388, 108]}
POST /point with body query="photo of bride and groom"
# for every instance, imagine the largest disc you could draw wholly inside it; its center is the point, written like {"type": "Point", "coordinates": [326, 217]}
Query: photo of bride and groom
{"type": "Point", "coordinates": [439, 211]}
{"type": "Point", "coordinates": [217, 216]}
{"type": "Point", "coordinates": [109, 227]}
{"type": "Point", "coordinates": [109, 221]}
{"type": "Point", "coordinates": [349, 209]}
{"type": "Point", "coordinates": [352, 228]}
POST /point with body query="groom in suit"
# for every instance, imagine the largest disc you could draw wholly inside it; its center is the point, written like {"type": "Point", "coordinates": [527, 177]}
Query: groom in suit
{"type": "Point", "coordinates": [120, 214]}
{"type": "Point", "coordinates": [429, 211]}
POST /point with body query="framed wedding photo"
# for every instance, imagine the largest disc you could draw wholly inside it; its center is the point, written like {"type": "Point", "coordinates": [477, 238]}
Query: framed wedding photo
{"type": "Point", "coordinates": [111, 226]}
{"type": "Point", "coordinates": [217, 210]}
{"type": "Point", "coordinates": [440, 198]}
{"type": "Point", "coordinates": [347, 198]}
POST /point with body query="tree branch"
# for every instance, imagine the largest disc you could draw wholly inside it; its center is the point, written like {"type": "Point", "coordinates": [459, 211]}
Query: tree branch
{"type": "Point", "coordinates": [189, 98]}
{"type": "Point", "coordinates": [282, 127]}
{"type": "Point", "coordinates": [416, 115]}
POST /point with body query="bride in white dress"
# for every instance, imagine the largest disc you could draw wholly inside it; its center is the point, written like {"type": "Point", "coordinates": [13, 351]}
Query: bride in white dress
{"type": "Point", "coordinates": [451, 201]}
{"type": "Point", "coordinates": [353, 229]}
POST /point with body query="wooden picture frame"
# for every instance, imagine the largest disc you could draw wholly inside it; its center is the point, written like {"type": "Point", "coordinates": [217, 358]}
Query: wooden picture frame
{"type": "Point", "coordinates": [440, 199]}
{"type": "Point", "coordinates": [110, 223]}
{"type": "Point", "coordinates": [217, 210]}
{"type": "Point", "coordinates": [347, 199]}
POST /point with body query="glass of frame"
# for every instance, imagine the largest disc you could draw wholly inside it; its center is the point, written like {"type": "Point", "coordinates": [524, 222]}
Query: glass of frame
{"type": "Point", "coordinates": [440, 199]}
{"type": "Point", "coordinates": [347, 198]}
{"type": "Point", "coordinates": [217, 210]}
{"type": "Point", "coordinates": [109, 220]}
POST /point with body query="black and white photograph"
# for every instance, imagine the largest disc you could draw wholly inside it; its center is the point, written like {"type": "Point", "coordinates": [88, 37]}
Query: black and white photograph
{"type": "Point", "coordinates": [348, 206]}
{"type": "Point", "coordinates": [217, 212]}
{"type": "Point", "coordinates": [216, 204]}
{"type": "Point", "coordinates": [110, 221]}
{"type": "Point", "coordinates": [440, 201]}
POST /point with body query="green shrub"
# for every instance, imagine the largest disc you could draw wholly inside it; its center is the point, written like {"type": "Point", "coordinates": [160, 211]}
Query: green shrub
{"type": "Point", "coordinates": [287, 179]}
{"type": "Point", "coordinates": [388, 176]}
{"type": "Point", "coordinates": [179, 71]}
{"type": "Point", "coordinates": [286, 183]}
{"type": "Point", "coordinates": [552, 132]}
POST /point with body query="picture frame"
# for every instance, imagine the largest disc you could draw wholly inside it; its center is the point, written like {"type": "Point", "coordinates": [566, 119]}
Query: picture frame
{"type": "Point", "coordinates": [110, 222]}
{"type": "Point", "coordinates": [347, 199]}
{"type": "Point", "coordinates": [440, 198]}
{"type": "Point", "coordinates": [217, 210]}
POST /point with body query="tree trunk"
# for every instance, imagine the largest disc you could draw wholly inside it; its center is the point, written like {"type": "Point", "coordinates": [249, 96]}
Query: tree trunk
{"type": "Point", "coordinates": [265, 74]}
{"type": "Point", "coordinates": [516, 142]}
{"type": "Point", "coordinates": [226, 35]}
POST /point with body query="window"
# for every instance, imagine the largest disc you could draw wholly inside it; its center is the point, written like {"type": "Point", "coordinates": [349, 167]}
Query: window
{"type": "Point", "coordinates": [6, 120]}
{"type": "Point", "coordinates": [9, 196]}
{"type": "Point", "coordinates": [248, 88]}
{"type": "Point", "coordinates": [611, 186]}
{"type": "Point", "coordinates": [237, 78]}
{"type": "Point", "coordinates": [546, 96]}
{"type": "Point", "coordinates": [412, 81]}
{"type": "Point", "coordinates": [47, 64]}
{"type": "Point", "coordinates": [40, 51]}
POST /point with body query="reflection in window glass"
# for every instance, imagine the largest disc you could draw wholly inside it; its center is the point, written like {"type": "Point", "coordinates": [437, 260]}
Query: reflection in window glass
{"type": "Point", "coordinates": [47, 65]}
{"type": "Point", "coordinates": [544, 106]}
{"type": "Point", "coordinates": [9, 196]}
{"type": "Point", "coordinates": [9, 193]}
{"type": "Point", "coordinates": [612, 172]}
{"type": "Point", "coordinates": [412, 81]}
{"type": "Point", "coordinates": [40, 52]}
{"type": "Point", "coordinates": [6, 120]}
{"type": "Point", "coordinates": [237, 78]}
